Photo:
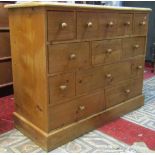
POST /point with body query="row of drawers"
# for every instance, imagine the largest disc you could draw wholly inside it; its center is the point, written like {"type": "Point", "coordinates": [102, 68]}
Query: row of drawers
{"type": "Point", "coordinates": [72, 56]}
{"type": "Point", "coordinates": [88, 105]}
{"type": "Point", "coordinates": [87, 25]}
{"type": "Point", "coordinates": [69, 85]}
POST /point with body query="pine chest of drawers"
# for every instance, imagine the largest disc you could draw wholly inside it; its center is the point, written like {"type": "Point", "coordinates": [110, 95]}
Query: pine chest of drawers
{"type": "Point", "coordinates": [75, 67]}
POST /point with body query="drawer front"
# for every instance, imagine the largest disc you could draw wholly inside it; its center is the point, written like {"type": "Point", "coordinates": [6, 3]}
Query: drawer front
{"type": "Point", "coordinates": [62, 114]}
{"type": "Point", "coordinates": [61, 25]}
{"type": "Point", "coordinates": [140, 24]}
{"type": "Point", "coordinates": [67, 57]}
{"type": "Point", "coordinates": [89, 80]}
{"type": "Point", "coordinates": [107, 51]}
{"type": "Point", "coordinates": [125, 24]}
{"type": "Point", "coordinates": [4, 44]}
{"type": "Point", "coordinates": [87, 25]}
{"type": "Point", "coordinates": [62, 87]}
{"type": "Point", "coordinates": [5, 72]}
{"type": "Point", "coordinates": [123, 91]}
{"type": "Point", "coordinates": [90, 105]}
{"type": "Point", "coordinates": [117, 72]}
{"type": "Point", "coordinates": [4, 21]}
{"type": "Point", "coordinates": [138, 66]}
{"type": "Point", "coordinates": [133, 46]}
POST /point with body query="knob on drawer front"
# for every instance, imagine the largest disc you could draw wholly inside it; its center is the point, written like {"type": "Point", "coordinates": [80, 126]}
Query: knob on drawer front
{"type": "Point", "coordinates": [139, 67]}
{"type": "Point", "coordinates": [82, 108]}
{"type": "Point", "coordinates": [127, 23]}
{"type": "Point", "coordinates": [63, 25]}
{"type": "Point", "coordinates": [63, 87]}
{"type": "Point", "coordinates": [89, 24]}
{"type": "Point", "coordinates": [72, 56]}
{"type": "Point", "coordinates": [142, 23]}
{"type": "Point", "coordinates": [111, 23]}
{"type": "Point", "coordinates": [109, 50]}
{"type": "Point", "coordinates": [136, 46]}
{"type": "Point", "coordinates": [127, 91]}
{"type": "Point", "coordinates": [108, 76]}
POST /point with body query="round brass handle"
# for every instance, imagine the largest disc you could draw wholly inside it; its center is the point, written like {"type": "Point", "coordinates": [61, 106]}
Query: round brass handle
{"type": "Point", "coordinates": [63, 87]}
{"type": "Point", "coordinates": [63, 25]}
{"type": "Point", "coordinates": [82, 107]}
{"type": "Point", "coordinates": [89, 24]}
{"type": "Point", "coordinates": [127, 23]}
{"type": "Point", "coordinates": [108, 75]}
{"type": "Point", "coordinates": [72, 56]}
{"type": "Point", "coordinates": [139, 67]}
{"type": "Point", "coordinates": [109, 50]}
{"type": "Point", "coordinates": [127, 91]}
{"type": "Point", "coordinates": [142, 23]}
{"type": "Point", "coordinates": [111, 23]}
{"type": "Point", "coordinates": [136, 46]}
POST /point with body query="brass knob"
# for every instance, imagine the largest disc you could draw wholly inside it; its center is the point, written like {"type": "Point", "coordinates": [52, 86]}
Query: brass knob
{"type": "Point", "coordinates": [110, 23]}
{"type": "Point", "coordinates": [108, 75]}
{"type": "Point", "coordinates": [139, 67]}
{"type": "Point", "coordinates": [127, 91]}
{"type": "Point", "coordinates": [63, 25]}
{"type": "Point", "coordinates": [63, 87]}
{"type": "Point", "coordinates": [89, 24]}
{"type": "Point", "coordinates": [109, 50]}
{"type": "Point", "coordinates": [82, 108]}
{"type": "Point", "coordinates": [127, 23]}
{"type": "Point", "coordinates": [142, 23]}
{"type": "Point", "coordinates": [72, 56]}
{"type": "Point", "coordinates": [136, 46]}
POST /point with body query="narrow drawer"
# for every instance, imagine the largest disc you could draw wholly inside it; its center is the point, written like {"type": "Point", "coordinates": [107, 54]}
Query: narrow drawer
{"type": "Point", "coordinates": [62, 87]}
{"type": "Point", "coordinates": [62, 114]}
{"type": "Point", "coordinates": [123, 91]}
{"type": "Point", "coordinates": [87, 25]}
{"type": "Point", "coordinates": [90, 105]}
{"type": "Point", "coordinates": [140, 24]}
{"type": "Point", "coordinates": [107, 51]}
{"type": "Point", "coordinates": [4, 21]}
{"type": "Point", "coordinates": [61, 25]}
{"type": "Point", "coordinates": [117, 72]}
{"type": "Point", "coordinates": [5, 72]}
{"type": "Point", "coordinates": [133, 46]}
{"type": "Point", "coordinates": [4, 44]}
{"type": "Point", "coordinates": [138, 66]}
{"type": "Point", "coordinates": [89, 80]}
{"type": "Point", "coordinates": [67, 57]}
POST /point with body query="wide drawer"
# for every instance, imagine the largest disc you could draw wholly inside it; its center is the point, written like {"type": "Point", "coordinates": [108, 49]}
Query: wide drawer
{"type": "Point", "coordinates": [4, 21]}
{"type": "Point", "coordinates": [61, 25]}
{"type": "Point", "coordinates": [4, 44]}
{"type": "Point", "coordinates": [133, 46]}
{"type": "Point", "coordinates": [62, 87]}
{"type": "Point", "coordinates": [5, 72]}
{"type": "Point", "coordinates": [69, 56]}
{"type": "Point", "coordinates": [140, 24]}
{"type": "Point", "coordinates": [117, 72]}
{"type": "Point", "coordinates": [123, 91]}
{"type": "Point", "coordinates": [106, 51]}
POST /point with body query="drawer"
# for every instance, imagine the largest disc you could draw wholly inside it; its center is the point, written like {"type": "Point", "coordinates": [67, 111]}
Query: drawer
{"type": "Point", "coordinates": [62, 87]}
{"type": "Point", "coordinates": [89, 80]}
{"type": "Point", "coordinates": [62, 114]}
{"type": "Point", "coordinates": [91, 104]}
{"type": "Point", "coordinates": [61, 25]}
{"type": "Point", "coordinates": [67, 57]}
{"type": "Point", "coordinates": [115, 73]}
{"type": "Point", "coordinates": [4, 44]}
{"type": "Point", "coordinates": [87, 25]}
{"type": "Point", "coordinates": [4, 21]}
{"type": "Point", "coordinates": [140, 24]}
{"type": "Point", "coordinates": [133, 46]}
{"type": "Point", "coordinates": [107, 51]}
{"type": "Point", "coordinates": [138, 66]}
{"type": "Point", "coordinates": [5, 72]}
{"type": "Point", "coordinates": [125, 24]}
{"type": "Point", "coordinates": [123, 91]}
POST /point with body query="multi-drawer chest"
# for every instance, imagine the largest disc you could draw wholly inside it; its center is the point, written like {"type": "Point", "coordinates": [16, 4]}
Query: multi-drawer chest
{"type": "Point", "coordinates": [75, 67]}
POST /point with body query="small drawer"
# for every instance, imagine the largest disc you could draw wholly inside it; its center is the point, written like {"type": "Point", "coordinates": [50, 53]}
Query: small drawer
{"type": "Point", "coordinates": [125, 24]}
{"type": "Point", "coordinates": [62, 87]}
{"type": "Point", "coordinates": [89, 80]}
{"type": "Point", "coordinates": [61, 25]}
{"type": "Point", "coordinates": [4, 44]}
{"type": "Point", "coordinates": [140, 24]}
{"type": "Point", "coordinates": [123, 91]}
{"type": "Point", "coordinates": [91, 104]}
{"type": "Point", "coordinates": [62, 114]}
{"type": "Point", "coordinates": [138, 66]}
{"type": "Point", "coordinates": [5, 72]}
{"type": "Point", "coordinates": [4, 20]}
{"type": "Point", "coordinates": [107, 51]}
{"type": "Point", "coordinates": [87, 25]}
{"type": "Point", "coordinates": [133, 46]}
{"type": "Point", "coordinates": [115, 73]}
{"type": "Point", "coordinates": [67, 57]}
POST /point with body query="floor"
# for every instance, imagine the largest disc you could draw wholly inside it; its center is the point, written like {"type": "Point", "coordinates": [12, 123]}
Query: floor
{"type": "Point", "coordinates": [134, 132]}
